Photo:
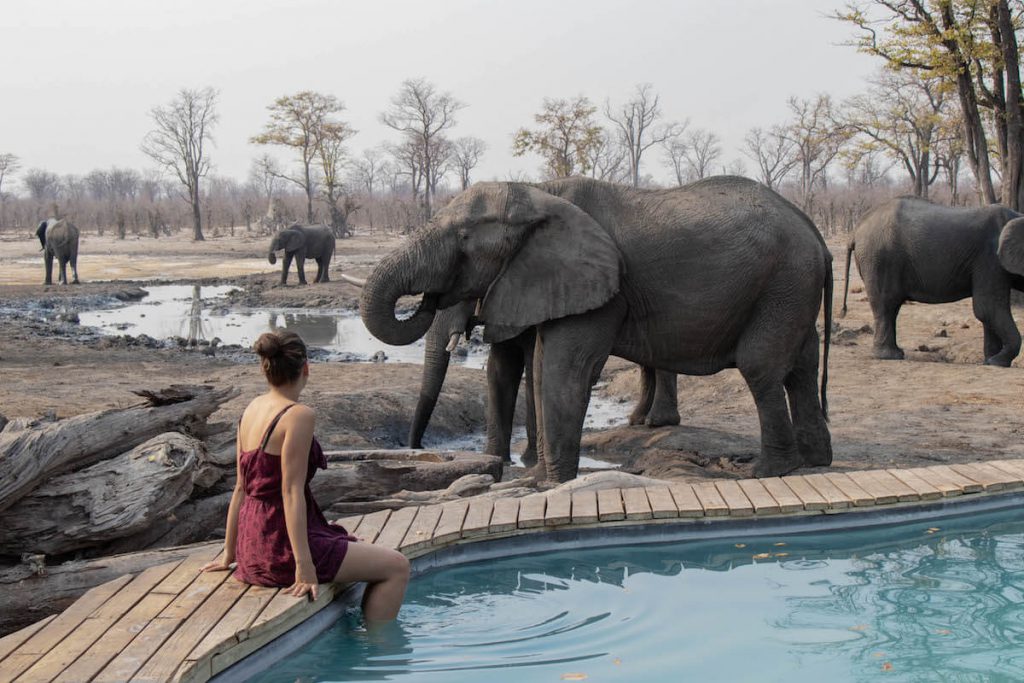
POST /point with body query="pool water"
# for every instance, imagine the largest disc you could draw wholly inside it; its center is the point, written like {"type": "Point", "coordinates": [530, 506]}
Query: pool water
{"type": "Point", "coordinates": [911, 603]}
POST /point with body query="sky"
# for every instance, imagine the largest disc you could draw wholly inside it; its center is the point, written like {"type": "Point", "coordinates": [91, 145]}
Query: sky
{"type": "Point", "coordinates": [79, 77]}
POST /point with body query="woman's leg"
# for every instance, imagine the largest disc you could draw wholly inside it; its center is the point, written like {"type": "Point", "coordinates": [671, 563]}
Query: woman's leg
{"type": "Point", "coordinates": [386, 573]}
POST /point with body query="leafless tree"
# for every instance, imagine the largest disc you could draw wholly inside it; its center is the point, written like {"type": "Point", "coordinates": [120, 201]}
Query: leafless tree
{"type": "Point", "coordinates": [675, 156]}
{"type": "Point", "coordinates": [772, 151]}
{"type": "Point", "coordinates": [702, 150]}
{"type": "Point", "coordinates": [422, 114]}
{"type": "Point", "coordinates": [332, 154]}
{"type": "Point", "coordinates": [817, 140]}
{"type": "Point", "coordinates": [9, 165]}
{"type": "Point", "coordinates": [178, 143]}
{"type": "Point", "coordinates": [467, 152]}
{"type": "Point", "coordinates": [42, 186]}
{"type": "Point", "coordinates": [635, 124]}
{"type": "Point", "coordinates": [265, 174]}
{"type": "Point", "coordinates": [607, 159]}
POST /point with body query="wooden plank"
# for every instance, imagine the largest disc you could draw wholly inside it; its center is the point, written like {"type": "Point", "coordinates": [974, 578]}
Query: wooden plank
{"type": "Point", "coordinates": [832, 494]}
{"type": "Point", "coordinates": [46, 638]}
{"type": "Point", "coordinates": [636, 504]}
{"type": "Point", "coordinates": [1012, 467]}
{"type": "Point", "coordinates": [165, 661]}
{"type": "Point", "coordinates": [11, 641]}
{"type": "Point", "coordinates": [350, 524]}
{"type": "Point", "coordinates": [372, 524]}
{"type": "Point", "coordinates": [505, 515]}
{"type": "Point", "coordinates": [395, 528]}
{"type": "Point", "coordinates": [662, 504]}
{"type": "Point", "coordinates": [449, 528]}
{"type": "Point", "coordinates": [939, 480]}
{"type": "Point", "coordinates": [874, 487]}
{"type": "Point", "coordinates": [559, 509]}
{"type": "Point", "coordinates": [686, 500]}
{"type": "Point", "coordinates": [183, 575]}
{"type": "Point", "coordinates": [233, 627]}
{"type": "Point", "coordinates": [421, 531]}
{"type": "Point", "coordinates": [609, 505]}
{"type": "Point", "coordinates": [922, 488]}
{"type": "Point", "coordinates": [115, 639]}
{"type": "Point", "coordinates": [858, 496]}
{"type": "Point", "coordinates": [126, 664]}
{"type": "Point", "coordinates": [478, 517]}
{"type": "Point", "coordinates": [732, 494]}
{"type": "Point", "coordinates": [759, 497]}
{"type": "Point", "coordinates": [808, 495]}
{"type": "Point", "coordinates": [195, 594]}
{"type": "Point", "coordinates": [80, 640]}
{"type": "Point", "coordinates": [584, 507]}
{"type": "Point", "coordinates": [783, 495]}
{"type": "Point", "coordinates": [531, 510]}
{"type": "Point", "coordinates": [966, 484]}
{"type": "Point", "coordinates": [992, 478]}
{"type": "Point", "coordinates": [710, 499]}
{"type": "Point", "coordinates": [904, 493]}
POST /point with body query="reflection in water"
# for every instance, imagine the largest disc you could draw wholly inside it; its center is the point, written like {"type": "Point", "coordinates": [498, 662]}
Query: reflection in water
{"type": "Point", "coordinates": [914, 603]}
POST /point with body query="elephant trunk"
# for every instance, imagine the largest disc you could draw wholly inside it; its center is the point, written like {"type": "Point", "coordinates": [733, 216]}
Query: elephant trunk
{"type": "Point", "coordinates": [394, 277]}
{"type": "Point", "coordinates": [435, 367]}
{"type": "Point", "coordinates": [272, 257]}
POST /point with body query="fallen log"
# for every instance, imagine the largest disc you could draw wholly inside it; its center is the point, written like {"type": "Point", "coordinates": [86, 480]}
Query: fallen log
{"type": "Point", "coordinates": [29, 593]}
{"type": "Point", "coordinates": [197, 520]}
{"type": "Point", "coordinates": [117, 497]}
{"type": "Point", "coordinates": [368, 475]}
{"type": "Point", "coordinates": [30, 456]}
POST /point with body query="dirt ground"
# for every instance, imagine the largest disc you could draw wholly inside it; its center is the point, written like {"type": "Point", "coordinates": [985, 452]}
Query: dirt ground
{"type": "Point", "coordinates": [940, 405]}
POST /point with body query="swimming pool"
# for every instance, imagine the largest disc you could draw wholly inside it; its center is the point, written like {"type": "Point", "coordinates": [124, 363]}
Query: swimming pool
{"type": "Point", "coordinates": [918, 602]}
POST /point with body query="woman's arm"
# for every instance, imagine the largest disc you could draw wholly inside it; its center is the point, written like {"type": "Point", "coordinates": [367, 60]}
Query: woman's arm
{"type": "Point", "coordinates": [231, 531]}
{"type": "Point", "coordinates": [298, 437]}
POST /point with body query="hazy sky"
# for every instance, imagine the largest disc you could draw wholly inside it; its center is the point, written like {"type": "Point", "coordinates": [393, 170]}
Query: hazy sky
{"type": "Point", "coordinates": [79, 76]}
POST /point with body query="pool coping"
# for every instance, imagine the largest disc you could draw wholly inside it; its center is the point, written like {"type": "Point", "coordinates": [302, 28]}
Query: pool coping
{"type": "Point", "coordinates": [171, 623]}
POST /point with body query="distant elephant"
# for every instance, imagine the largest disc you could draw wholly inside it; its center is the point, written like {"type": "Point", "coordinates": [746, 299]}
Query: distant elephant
{"type": "Point", "coordinates": [507, 362]}
{"type": "Point", "coordinates": [302, 242]}
{"type": "Point", "coordinates": [912, 250]}
{"type": "Point", "coordinates": [717, 274]}
{"type": "Point", "coordinates": [59, 239]}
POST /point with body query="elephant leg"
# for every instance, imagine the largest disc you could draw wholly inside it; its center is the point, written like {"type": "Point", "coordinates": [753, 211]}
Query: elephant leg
{"type": "Point", "coordinates": [569, 354]}
{"type": "Point", "coordinates": [300, 267]}
{"type": "Point", "coordinates": [885, 298]}
{"type": "Point", "coordinates": [665, 408]}
{"type": "Point", "coordinates": [324, 274]}
{"type": "Point", "coordinates": [647, 388]}
{"type": "Point", "coordinates": [813, 440]}
{"type": "Point", "coordinates": [74, 271]}
{"type": "Point", "coordinates": [1002, 338]}
{"type": "Point", "coordinates": [63, 271]}
{"type": "Point", "coordinates": [286, 264]}
{"type": "Point", "coordinates": [504, 373]}
{"type": "Point", "coordinates": [531, 454]}
{"type": "Point", "coordinates": [48, 261]}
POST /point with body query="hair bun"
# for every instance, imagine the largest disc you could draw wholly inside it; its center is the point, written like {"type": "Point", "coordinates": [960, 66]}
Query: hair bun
{"type": "Point", "coordinates": [268, 345]}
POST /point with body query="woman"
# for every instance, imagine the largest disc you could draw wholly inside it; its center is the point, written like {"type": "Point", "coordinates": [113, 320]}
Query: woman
{"type": "Point", "coordinates": [275, 530]}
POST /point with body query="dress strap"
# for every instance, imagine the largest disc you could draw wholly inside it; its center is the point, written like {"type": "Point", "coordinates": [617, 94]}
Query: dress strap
{"type": "Point", "coordinates": [273, 423]}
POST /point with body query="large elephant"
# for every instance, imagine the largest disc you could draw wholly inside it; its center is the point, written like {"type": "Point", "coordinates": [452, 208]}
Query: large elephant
{"type": "Point", "coordinates": [718, 274]}
{"type": "Point", "coordinates": [59, 239]}
{"type": "Point", "coordinates": [507, 362]}
{"type": "Point", "coordinates": [912, 250]}
{"type": "Point", "coordinates": [301, 242]}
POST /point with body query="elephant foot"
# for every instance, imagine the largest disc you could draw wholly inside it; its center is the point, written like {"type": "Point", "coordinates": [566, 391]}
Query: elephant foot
{"type": "Point", "coordinates": [662, 419]}
{"type": "Point", "coordinates": [637, 418]}
{"type": "Point", "coordinates": [776, 466]}
{"type": "Point", "coordinates": [888, 353]}
{"type": "Point", "coordinates": [529, 457]}
{"type": "Point", "coordinates": [818, 457]}
{"type": "Point", "coordinates": [999, 361]}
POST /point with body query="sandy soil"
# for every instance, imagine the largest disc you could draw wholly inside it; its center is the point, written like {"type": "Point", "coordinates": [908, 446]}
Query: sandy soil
{"type": "Point", "coordinates": [940, 405]}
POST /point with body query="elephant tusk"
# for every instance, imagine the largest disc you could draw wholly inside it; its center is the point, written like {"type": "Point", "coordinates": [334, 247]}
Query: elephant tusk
{"type": "Point", "coordinates": [353, 280]}
{"type": "Point", "coordinates": [453, 342]}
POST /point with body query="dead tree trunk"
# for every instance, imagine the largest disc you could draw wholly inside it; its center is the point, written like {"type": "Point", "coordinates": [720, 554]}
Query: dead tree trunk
{"type": "Point", "coordinates": [30, 456]}
{"type": "Point", "coordinates": [114, 498]}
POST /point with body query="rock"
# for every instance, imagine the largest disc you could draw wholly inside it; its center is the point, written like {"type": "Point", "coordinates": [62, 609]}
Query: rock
{"type": "Point", "coordinates": [941, 332]}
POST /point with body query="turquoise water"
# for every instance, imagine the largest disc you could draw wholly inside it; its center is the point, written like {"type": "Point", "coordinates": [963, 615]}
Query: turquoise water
{"type": "Point", "coordinates": [912, 603]}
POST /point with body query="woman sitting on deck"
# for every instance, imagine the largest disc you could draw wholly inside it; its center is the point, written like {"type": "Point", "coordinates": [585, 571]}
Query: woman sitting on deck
{"type": "Point", "coordinates": [275, 530]}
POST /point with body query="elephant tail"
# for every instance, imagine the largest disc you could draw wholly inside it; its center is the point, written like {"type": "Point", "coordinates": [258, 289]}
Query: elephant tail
{"type": "Point", "coordinates": [850, 246]}
{"type": "Point", "coordinates": [829, 286]}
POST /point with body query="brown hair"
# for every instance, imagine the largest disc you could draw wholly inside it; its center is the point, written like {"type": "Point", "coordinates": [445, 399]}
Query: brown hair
{"type": "Point", "coordinates": [282, 356]}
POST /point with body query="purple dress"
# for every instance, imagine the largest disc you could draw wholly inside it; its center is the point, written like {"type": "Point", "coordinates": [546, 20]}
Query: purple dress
{"type": "Point", "coordinates": [263, 550]}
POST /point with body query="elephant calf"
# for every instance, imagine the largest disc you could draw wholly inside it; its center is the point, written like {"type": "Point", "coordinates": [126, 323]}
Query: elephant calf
{"type": "Point", "coordinates": [913, 250]}
{"type": "Point", "coordinates": [302, 242]}
{"type": "Point", "coordinates": [59, 238]}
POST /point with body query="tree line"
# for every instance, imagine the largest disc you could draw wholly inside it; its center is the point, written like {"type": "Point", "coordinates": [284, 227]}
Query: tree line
{"type": "Point", "coordinates": [947, 95]}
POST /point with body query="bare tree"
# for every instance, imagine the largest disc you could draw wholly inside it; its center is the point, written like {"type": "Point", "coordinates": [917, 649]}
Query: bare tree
{"type": "Point", "coordinates": [369, 172]}
{"type": "Point", "coordinates": [675, 156]}
{"type": "Point", "coordinates": [265, 174]}
{"type": "Point", "coordinates": [178, 143]}
{"type": "Point", "coordinates": [9, 164]}
{"type": "Point", "coordinates": [635, 125]}
{"type": "Point", "coordinates": [467, 152]}
{"type": "Point", "coordinates": [422, 114]}
{"type": "Point", "coordinates": [606, 159]}
{"type": "Point", "coordinates": [817, 140]}
{"type": "Point", "coordinates": [772, 151]}
{"type": "Point", "coordinates": [702, 150]}
{"type": "Point", "coordinates": [42, 186]}
{"type": "Point", "coordinates": [331, 153]}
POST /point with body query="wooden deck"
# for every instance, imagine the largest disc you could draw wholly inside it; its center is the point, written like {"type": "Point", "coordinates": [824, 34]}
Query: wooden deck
{"type": "Point", "coordinates": [172, 623]}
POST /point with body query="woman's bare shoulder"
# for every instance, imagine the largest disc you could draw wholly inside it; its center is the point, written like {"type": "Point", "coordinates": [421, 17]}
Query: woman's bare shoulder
{"type": "Point", "coordinates": [300, 415]}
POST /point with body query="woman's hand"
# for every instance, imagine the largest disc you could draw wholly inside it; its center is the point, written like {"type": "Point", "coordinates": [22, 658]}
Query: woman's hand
{"type": "Point", "coordinates": [219, 565]}
{"type": "Point", "coordinates": [305, 582]}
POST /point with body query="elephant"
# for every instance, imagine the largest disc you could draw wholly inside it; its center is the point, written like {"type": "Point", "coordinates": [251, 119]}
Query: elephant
{"type": "Point", "coordinates": [301, 242]}
{"type": "Point", "coordinates": [910, 249]}
{"type": "Point", "coordinates": [717, 274]}
{"type": "Point", "coordinates": [59, 239]}
{"type": "Point", "coordinates": [506, 364]}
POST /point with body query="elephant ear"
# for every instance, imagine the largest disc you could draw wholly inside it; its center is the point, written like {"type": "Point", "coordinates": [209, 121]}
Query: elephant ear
{"type": "Point", "coordinates": [568, 264]}
{"type": "Point", "coordinates": [1011, 246]}
{"type": "Point", "coordinates": [294, 240]}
